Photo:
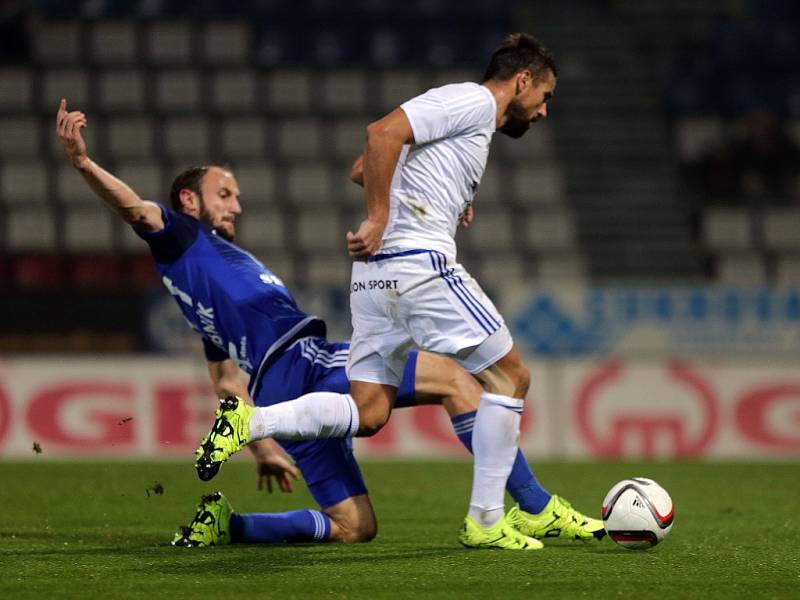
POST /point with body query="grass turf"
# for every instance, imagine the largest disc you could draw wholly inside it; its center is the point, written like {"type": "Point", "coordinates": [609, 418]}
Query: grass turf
{"type": "Point", "coordinates": [82, 530]}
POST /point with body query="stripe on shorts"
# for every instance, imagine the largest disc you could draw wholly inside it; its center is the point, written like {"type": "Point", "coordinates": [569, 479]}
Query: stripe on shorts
{"type": "Point", "coordinates": [482, 315]}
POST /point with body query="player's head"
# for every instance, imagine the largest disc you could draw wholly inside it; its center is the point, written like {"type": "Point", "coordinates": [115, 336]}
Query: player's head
{"type": "Point", "coordinates": [523, 62]}
{"type": "Point", "coordinates": [209, 193]}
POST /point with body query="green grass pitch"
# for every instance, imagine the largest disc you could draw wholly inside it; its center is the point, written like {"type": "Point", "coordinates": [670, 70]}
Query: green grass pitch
{"type": "Point", "coordinates": [92, 531]}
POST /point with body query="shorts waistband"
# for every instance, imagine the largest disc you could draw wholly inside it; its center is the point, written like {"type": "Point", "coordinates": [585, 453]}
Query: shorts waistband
{"type": "Point", "coordinates": [379, 257]}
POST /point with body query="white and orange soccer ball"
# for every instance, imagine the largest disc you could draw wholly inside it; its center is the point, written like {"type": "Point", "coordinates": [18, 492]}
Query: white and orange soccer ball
{"type": "Point", "coordinates": [637, 513]}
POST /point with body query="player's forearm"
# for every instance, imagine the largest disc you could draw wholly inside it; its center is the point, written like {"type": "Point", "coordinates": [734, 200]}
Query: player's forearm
{"type": "Point", "coordinates": [381, 154]}
{"type": "Point", "coordinates": [117, 194]}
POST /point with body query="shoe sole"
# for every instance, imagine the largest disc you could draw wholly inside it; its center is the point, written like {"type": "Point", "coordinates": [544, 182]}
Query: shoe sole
{"type": "Point", "coordinates": [207, 468]}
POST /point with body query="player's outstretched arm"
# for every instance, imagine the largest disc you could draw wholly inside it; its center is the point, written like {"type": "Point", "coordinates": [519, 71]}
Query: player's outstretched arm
{"type": "Point", "coordinates": [144, 215]}
{"type": "Point", "coordinates": [385, 140]}
{"type": "Point", "coordinates": [357, 171]}
{"type": "Point", "coordinates": [271, 460]}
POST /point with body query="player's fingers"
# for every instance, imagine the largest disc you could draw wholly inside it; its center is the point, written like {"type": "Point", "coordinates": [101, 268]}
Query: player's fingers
{"type": "Point", "coordinates": [269, 484]}
{"type": "Point", "coordinates": [294, 472]}
{"type": "Point", "coordinates": [62, 109]}
{"type": "Point", "coordinates": [260, 482]}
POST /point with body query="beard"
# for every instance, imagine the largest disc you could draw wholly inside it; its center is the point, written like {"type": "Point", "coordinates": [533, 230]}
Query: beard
{"type": "Point", "coordinates": [206, 218]}
{"type": "Point", "coordinates": [517, 122]}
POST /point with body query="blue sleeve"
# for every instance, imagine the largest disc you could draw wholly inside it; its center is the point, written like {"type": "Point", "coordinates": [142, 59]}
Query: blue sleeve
{"type": "Point", "coordinates": [213, 354]}
{"type": "Point", "coordinates": [179, 233]}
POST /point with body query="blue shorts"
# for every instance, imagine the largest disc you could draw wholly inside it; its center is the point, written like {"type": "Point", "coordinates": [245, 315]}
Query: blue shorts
{"type": "Point", "coordinates": [314, 364]}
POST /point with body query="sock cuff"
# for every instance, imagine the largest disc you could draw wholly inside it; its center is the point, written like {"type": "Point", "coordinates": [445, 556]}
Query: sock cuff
{"type": "Point", "coordinates": [322, 525]}
{"type": "Point", "coordinates": [508, 402]}
{"type": "Point", "coordinates": [352, 429]}
{"type": "Point", "coordinates": [463, 423]}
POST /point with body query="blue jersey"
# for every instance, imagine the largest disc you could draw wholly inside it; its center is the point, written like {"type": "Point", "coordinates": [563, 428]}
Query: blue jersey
{"type": "Point", "coordinates": [240, 308]}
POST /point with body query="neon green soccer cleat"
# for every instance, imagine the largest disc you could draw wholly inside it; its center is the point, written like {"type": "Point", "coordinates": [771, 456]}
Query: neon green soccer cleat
{"type": "Point", "coordinates": [500, 535]}
{"type": "Point", "coordinates": [557, 520]}
{"type": "Point", "coordinates": [230, 433]}
{"type": "Point", "coordinates": [210, 526]}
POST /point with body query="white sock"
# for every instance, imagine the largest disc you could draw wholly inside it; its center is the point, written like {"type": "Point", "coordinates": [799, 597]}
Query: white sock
{"type": "Point", "coordinates": [495, 441]}
{"type": "Point", "coordinates": [309, 417]}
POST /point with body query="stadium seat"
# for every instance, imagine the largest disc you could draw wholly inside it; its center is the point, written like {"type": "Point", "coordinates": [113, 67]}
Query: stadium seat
{"type": "Point", "coordinates": [537, 145]}
{"type": "Point", "coordinates": [781, 229]}
{"type": "Point", "coordinates": [787, 271]}
{"type": "Point", "coordinates": [550, 230]}
{"type": "Point", "coordinates": [348, 138]}
{"type": "Point", "coordinates": [257, 185]}
{"type": "Point", "coordinates": [168, 43]}
{"type": "Point", "coordinates": [16, 88]}
{"type": "Point", "coordinates": [496, 272]}
{"type": "Point", "coordinates": [96, 270]}
{"type": "Point", "coordinates": [130, 137]}
{"type": "Point", "coordinates": [227, 42]}
{"type": "Point", "coordinates": [88, 228]}
{"type": "Point", "coordinates": [299, 139]}
{"type": "Point", "coordinates": [288, 90]}
{"type": "Point", "coordinates": [261, 230]}
{"type": "Point", "coordinates": [71, 189]}
{"type": "Point", "coordinates": [319, 230]}
{"type": "Point", "coordinates": [538, 185]}
{"type": "Point", "coordinates": [57, 42]}
{"type": "Point", "coordinates": [113, 42]}
{"type": "Point", "coordinates": [243, 138]}
{"type": "Point", "coordinates": [70, 83]}
{"type": "Point", "coordinates": [280, 263]}
{"type": "Point", "coordinates": [330, 270]}
{"type": "Point", "coordinates": [561, 268]}
{"type": "Point", "coordinates": [396, 86]}
{"type": "Point", "coordinates": [234, 91]}
{"type": "Point", "coordinates": [491, 231]}
{"type": "Point", "coordinates": [177, 90]}
{"type": "Point", "coordinates": [740, 269]}
{"type": "Point", "coordinates": [344, 91]}
{"type": "Point", "coordinates": [726, 229]}
{"type": "Point", "coordinates": [38, 270]}
{"type": "Point", "coordinates": [309, 185]}
{"type": "Point", "coordinates": [24, 182]}
{"type": "Point", "coordinates": [30, 228]}
{"type": "Point", "coordinates": [696, 135]}
{"type": "Point", "coordinates": [121, 90]}
{"type": "Point", "coordinates": [186, 139]}
{"type": "Point", "coordinates": [145, 178]}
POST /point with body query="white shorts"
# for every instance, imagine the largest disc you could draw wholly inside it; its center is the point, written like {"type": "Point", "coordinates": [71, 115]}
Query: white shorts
{"type": "Point", "coordinates": [420, 298]}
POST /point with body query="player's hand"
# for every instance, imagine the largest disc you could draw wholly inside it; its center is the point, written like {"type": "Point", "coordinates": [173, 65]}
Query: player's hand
{"type": "Point", "coordinates": [467, 217]}
{"type": "Point", "coordinates": [366, 241]}
{"type": "Point", "coordinates": [272, 462]}
{"type": "Point", "coordinates": [68, 129]}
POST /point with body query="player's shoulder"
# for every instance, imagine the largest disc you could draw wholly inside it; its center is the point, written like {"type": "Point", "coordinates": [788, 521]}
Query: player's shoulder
{"type": "Point", "coordinates": [466, 92]}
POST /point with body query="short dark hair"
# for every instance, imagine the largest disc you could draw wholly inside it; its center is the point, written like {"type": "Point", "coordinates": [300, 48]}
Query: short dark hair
{"type": "Point", "coordinates": [520, 51]}
{"type": "Point", "coordinates": [190, 179]}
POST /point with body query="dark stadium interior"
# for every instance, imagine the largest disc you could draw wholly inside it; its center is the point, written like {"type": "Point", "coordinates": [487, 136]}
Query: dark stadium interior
{"type": "Point", "coordinates": [670, 154]}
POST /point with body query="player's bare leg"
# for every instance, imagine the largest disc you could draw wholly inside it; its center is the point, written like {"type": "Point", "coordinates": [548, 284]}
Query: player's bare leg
{"type": "Point", "coordinates": [353, 520]}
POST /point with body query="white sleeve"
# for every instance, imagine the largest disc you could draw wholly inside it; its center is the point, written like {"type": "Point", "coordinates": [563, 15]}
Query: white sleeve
{"type": "Point", "coordinates": [433, 116]}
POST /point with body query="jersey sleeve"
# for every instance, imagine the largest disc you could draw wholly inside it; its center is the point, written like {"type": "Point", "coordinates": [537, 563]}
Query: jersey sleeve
{"type": "Point", "coordinates": [213, 354]}
{"type": "Point", "coordinates": [168, 244]}
{"type": "Point", "coordinates": [435, 114]}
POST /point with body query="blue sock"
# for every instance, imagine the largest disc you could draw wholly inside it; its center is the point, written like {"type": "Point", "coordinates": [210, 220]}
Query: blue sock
{"type": "Point", "coordinates": [522, 483]}
{"type": "Point", "coordinates": [278, 528]}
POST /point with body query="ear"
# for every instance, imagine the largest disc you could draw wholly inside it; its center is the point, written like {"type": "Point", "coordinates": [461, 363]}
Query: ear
{"type": "Point", "coordinates": [189, 201]}
{"type": "Point", "coordinates": [524, 80]}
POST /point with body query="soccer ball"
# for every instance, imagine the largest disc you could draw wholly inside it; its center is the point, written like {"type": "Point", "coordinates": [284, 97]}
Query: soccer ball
{"type": "Point", "coordinates": [637, 513]}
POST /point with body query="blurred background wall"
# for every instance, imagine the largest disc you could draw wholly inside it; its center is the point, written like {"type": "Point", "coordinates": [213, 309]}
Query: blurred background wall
{"type": "Point", "coordinates": [643, 242]}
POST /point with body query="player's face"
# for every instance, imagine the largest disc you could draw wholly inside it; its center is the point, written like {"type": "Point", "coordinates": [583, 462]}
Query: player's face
{"type": "Point", "coordinates": [219, 201]}
{"type": "Point", "coordinates": [529, 105]}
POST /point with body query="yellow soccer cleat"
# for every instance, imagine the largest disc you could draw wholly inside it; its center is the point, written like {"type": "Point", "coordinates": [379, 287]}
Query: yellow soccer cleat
{"type": "Point", "coordinates": [229, 434]}
{"type": "Point", "coordinates": [557, 520]}
{"type": "Point", "coordinates": [210, 526]}
{"type": "Point", "coordinates": [500, 535]}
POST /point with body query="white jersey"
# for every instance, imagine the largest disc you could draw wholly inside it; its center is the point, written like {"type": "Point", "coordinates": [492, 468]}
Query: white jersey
{"type": "Point", "coordinates": [436, 177]}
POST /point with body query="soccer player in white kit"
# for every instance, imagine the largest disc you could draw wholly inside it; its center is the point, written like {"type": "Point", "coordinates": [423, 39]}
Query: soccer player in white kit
{"type": "Point", "coordinates": [422, 164]}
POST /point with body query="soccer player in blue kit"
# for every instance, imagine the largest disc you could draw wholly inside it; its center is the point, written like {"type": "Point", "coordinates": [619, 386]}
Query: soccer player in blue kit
{"type": "Point", "coordinates": [250, 322]}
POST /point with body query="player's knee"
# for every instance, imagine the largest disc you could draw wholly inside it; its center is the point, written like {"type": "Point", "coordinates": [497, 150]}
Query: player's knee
{"type": "Point", "coordinates": [359, 532]}
{"type": "Point", "coordinates": [522, 380]}
{"type": "Point", "coordinates": [372, 416]}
